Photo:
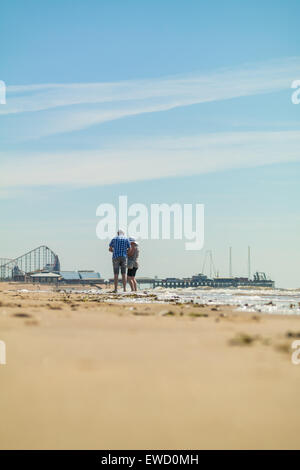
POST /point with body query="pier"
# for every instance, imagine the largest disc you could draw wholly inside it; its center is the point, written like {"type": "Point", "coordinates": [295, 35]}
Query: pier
{"type": "Point", "coordinates": [200, 280]}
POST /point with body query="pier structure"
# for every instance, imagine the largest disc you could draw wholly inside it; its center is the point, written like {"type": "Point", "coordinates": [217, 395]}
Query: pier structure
{"type": "Point", "coordinates": [200, 280]}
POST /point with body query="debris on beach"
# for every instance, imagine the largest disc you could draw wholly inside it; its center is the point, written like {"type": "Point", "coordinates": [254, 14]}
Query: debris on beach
{"type": "Point", "coordinates": [165, 313]}
{"type": "Point", "coordinates": [22, 315]}
{"type": "Point", "coordinates": [293, 334]}
{"type": "Point", "coordinates": [198, 315]}
{"type": "Point", "coordinates": [243, 339]}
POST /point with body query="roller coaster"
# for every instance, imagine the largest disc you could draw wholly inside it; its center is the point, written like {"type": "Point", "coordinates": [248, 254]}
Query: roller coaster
{"type": "Point", "coordinates": [37, 260]}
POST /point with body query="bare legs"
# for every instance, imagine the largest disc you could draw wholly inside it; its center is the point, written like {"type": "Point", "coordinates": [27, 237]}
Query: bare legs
{"type": "Point", "coordinates": [116, 281]}
{"type": "Point", "coordinates": [132, 283]}
{"type": "Point", "coordinates": [124, 280]}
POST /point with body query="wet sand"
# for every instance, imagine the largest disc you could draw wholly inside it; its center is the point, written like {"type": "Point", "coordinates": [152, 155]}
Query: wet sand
{"type": "Point", "coordinates": [84, 372]}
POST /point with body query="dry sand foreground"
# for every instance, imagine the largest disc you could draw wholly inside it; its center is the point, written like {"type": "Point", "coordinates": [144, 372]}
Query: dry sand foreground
{"type": "Point", "coordinates": [87, 374]}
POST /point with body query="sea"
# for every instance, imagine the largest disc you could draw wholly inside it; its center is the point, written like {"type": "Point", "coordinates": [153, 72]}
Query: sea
{"type": "Point", "coordinates": [273, 301]}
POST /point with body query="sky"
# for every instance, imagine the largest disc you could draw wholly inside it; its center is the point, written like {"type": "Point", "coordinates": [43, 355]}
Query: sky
{"type": "Point", "coordinates": [162, 101]}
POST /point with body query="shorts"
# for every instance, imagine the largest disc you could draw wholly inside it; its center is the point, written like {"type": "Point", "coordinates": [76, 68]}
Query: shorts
{"type": "Point", "coordinates": [120, 262]}
{"type": "Point", "coordinates": [131, 272]}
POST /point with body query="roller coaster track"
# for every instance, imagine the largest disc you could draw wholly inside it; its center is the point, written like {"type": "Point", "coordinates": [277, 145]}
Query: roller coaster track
{"type": "Point", "coordinates": [37, 260]}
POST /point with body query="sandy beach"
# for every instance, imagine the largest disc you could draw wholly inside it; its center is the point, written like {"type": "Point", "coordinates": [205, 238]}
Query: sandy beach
{"type": "Point", "coordinates": [86, 372]}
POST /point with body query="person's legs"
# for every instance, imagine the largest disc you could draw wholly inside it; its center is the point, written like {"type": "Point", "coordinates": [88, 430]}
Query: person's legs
{"type": "Point", "coordinates": [123, 264]}
{"type": "Point", "coordinates": [116, 267]}
{"type": "Point", "coordinates": [124, 281]}
{"type": "Point", "coordinates": [133, 279]}
{"type": "Point", "coordinates": [130, 279]}
{"type": "Point", "coordinates": [116, 281]}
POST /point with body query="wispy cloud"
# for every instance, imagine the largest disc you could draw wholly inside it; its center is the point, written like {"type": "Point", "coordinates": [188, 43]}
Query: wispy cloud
{"type": "Point", "coordinates": [40, 110]}
{"type": "Point", "coordinates": [69, 107]}
{"type": "Point", "coordinates": [150, 159]}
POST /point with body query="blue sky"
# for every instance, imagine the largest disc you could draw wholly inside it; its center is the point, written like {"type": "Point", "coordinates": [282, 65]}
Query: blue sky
{"type": "Point", "coordinates": [163, 101]}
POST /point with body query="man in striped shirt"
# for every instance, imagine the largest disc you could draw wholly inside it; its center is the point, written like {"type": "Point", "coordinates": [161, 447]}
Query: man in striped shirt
{"type": "Point", "coordinates": [119, 246]}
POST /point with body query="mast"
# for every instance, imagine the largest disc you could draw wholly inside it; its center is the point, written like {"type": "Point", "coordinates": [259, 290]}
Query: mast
{"type": "Point", "coordinates": [249, 262]}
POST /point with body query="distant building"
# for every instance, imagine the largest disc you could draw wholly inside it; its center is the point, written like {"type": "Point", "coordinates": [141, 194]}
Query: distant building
{"type": "Point", "coordinates": [81, 277]}
{"type": "Point", "coordinates": [70, 277]}
{"type": "Point", "coordinates": [45, 278]}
